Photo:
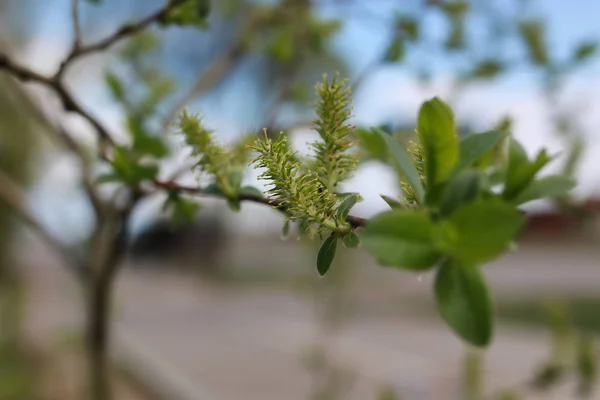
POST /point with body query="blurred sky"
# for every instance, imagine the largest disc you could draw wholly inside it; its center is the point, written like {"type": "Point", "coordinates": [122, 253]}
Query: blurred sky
{"type": "Point", "coordinates": [389, 93]}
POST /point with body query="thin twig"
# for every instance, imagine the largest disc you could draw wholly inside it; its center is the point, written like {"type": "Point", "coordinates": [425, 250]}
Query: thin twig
{"type": "Point", "coordinates": [76, 25]}
{"type": "Point", "coordinates": [124, 32]}
{"type": "Point", "coordinates": [69, 103]}
{"type": "Point", "coordinates": [11, 194]}
{"type": "Point", "coordinates": [356, 222]}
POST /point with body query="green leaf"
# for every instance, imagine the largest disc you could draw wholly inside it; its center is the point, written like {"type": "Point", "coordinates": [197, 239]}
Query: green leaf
{"type": "Point", "coordinates": [189, 12]}
{"type": "Point", "coordinates": [437, 132]}
{"type": "Point", "coordinates": [115, 85]}
{"type": "Point", "coordinates": [549, 186]}
{"type": "Point", "coordinates": [395, 51]}
{"type": "Point", "coordinates": [479, 231]}
{"type": "Point", "coordinates": [373, 144]}
{"type": "Point", "coordinates": [462, 188]}
{"type": "Point", "coordinates": [464, 302]}
{"type": "Point", "coordinates": [488, 69]}
{"type": "Point", "coordinates": [584, 51]}
{"type": "Point", "coordinates": [234, 205]}
{"type": "Point", "coordinates": [282, 45]}
{"type": "Point", "coordinates": [234, 179]}
{"type": "Point", "coordinates": [404, 164]}
{"type": "Point", "coordinates": [401, 238]}
{"type": "Point", "coordinates": [533, 34]}
{"type": "Point", "coordinates": [129, 169]}
{"type": "Point", "coordinates": [346, 206]}
{"type": "Point", "coordinates": [476, 146]}
{"type": "Point", "coordinates": [183, 210]}
{"type": "Point", "coordinates": [520, 171]}
{"type": "Point", "coordinates": [144, 143]}
{"type": "Point", "coordinates": [409, 27]}
{"type": "Point", "coordinates": [351, 240]}
{"type": "Point", "coordinates": [145, 172]}
{"type": "Point", "coordinates": [326, 254]}
{"type": "Point", "coordinates": [250, 191]}
{"type": "Point", "coordinates": [345, 195]}
{"type": "Point", "coordinates": [393, 203]}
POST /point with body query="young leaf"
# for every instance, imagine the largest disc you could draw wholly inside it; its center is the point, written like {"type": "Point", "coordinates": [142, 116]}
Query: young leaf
{"type": "Point", "coordinates": [401, 239]}
{"type": "Point", "coordinates": [481, 230]}
{"type": "Point", "coordinates": [521, 171]}
{"type": "Point", "coordinates": [464, 302]}
{"type": "Point", "coordinates": [533, 33]}
{"type": "Point", "coordinates": [437, 132]}
{"type": "Point", "coordinates": [393, 203]}
{"type": "Point", "coordinates": [549, 186]}
{"type": "Point", "coordinates": [143, 142]}
{"type": "Point", "coordinates": [475, 146]}
{"type": "Point", "coordinates": [404, 164]}
{"type": "Point", "coordinates": [461, 189]}
{"type": "Point", "coordinates": [373, 144]}
{"type": "Point", "coordinates": [115, 85]}
{"type": "Point", "coordinates": [234, 205]}
{"type": "Point", "coordinates": [129, 169]}
{"type": "Point", "coordinates": [395, 51]}
{"type": "Point", "coordinates": [326, 254]}
{"type": "Point", "coordinates": [346, 206]}
{"type": "Point", "coordinates": [351, 240]}
{"type": "Point", "coordinates": [584, 51]}
{"type": "Point", "coordinates": [234, 178]}
{"type": "Point", "coordinates": [488, 69]}
{"type": "Point", "coordinates": [182, 209]}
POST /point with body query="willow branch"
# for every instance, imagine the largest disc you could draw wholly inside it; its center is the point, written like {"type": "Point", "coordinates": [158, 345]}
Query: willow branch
{"type": "Point", "coordinates": [124, 32]}
{"type": "Point", "coordinates": [356, 222]}
{"type": "Point", "coordinates": [11, 194]}
{"type": "Point", "coordinates": [68, 101]}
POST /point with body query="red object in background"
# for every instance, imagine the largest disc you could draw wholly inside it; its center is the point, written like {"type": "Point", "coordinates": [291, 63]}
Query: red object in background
{"type": "Point", "coordinates": [557, 223]}
{"type": "Point", "coordinates": [549, 223]}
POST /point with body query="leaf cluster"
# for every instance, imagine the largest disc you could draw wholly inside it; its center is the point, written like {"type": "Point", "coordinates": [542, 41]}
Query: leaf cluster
{"type": "Point", "coordinates": [459, 211]}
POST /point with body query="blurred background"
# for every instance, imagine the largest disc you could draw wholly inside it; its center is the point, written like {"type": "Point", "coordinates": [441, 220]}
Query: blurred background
{"type": "Point", "coordinates": [224, 307]}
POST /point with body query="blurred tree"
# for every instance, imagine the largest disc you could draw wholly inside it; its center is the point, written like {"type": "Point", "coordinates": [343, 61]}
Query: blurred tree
{"type": "Point", "coordinates": [16, 155]}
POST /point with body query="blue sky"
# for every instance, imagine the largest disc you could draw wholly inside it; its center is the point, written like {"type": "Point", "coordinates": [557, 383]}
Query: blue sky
{"type": "Point", "coordinates": [389, 93]}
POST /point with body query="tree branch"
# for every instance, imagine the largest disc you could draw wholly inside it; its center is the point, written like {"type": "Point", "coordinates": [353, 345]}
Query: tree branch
{"type": "Point", "coordinates": [356, 222]}
{"type": "Point", "coordinates": [76, 25]}
{"type": "Point", "coordinates": [69, 103]}
{"type": "Point", "coordinates": [11, 194]}
{"type": "Point", "coordinates": [60, 134]}
{"type": "Point", "coordinates": [124, 32]}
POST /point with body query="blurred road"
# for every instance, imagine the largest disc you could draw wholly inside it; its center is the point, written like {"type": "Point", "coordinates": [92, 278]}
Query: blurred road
{"type": "Point", "coordinates": [247, 343]}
